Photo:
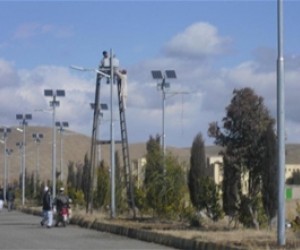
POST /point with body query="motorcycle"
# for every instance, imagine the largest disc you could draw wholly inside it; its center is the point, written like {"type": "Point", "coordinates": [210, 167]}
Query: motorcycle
{"type": "Point", "coordinates": [63, 216]}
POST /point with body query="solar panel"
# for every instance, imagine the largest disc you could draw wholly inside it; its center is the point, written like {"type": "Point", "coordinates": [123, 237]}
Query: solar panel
{"type": "Point", "coordinates": [57, 124]}
{"type": "Point", "coordinates": [19, 117]}
{"type": "Point", "coordinates": [65, 124]}
{"type": "Point", "coordinates": [9, 151]}
{"type": "Point", "coordinates": [157, 74]}
{"type": "Point", "coordinates": [171, 74]}
{"type": "Point", "coordinates": [60, 92]}
{"type": "Point", "coordinates": [104, 106]}
{"type": "Point", "coordinates": [34, 135]}
{"type": "Point", "coordinates": [41, 136]}
{"type": "Point", "coordinates": [48, 92]}
{"type": "Point", "coordinates": [28, 116]}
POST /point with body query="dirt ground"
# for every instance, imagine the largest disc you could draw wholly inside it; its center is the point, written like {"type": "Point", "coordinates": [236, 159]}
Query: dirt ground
{"type": "Point", "coordinates": [209, 232]}
{"type": "Point", "coordinates": [215, 232]}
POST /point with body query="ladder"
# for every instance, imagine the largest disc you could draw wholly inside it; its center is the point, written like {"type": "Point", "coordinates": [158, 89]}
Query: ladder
{"type": "Point", "coordinates": [125, 149]}
{"type": "Point", "coordinates": [92, 177]}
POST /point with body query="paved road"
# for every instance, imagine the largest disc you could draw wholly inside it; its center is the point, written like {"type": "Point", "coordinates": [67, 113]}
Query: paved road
{"type": "Point", "coordinates": [23, 231]}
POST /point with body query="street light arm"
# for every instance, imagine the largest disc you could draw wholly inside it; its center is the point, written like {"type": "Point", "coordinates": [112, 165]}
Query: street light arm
{"type": "Point", "coordinates": [80, 68]}
{"type": "Point", "coordinates": [87, 69]}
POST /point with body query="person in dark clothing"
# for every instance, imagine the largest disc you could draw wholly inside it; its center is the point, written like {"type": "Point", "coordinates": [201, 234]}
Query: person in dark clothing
{"type": "Point", "coordinates": [47, 208]}
{"type": "Point", "coordinates": [10, 198]}
{"type": "Point", "coordinates": [61, 201]}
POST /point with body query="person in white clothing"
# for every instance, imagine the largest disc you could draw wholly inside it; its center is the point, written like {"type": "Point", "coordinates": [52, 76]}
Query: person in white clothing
{"type": "Point", "coordinates": [123, 93]}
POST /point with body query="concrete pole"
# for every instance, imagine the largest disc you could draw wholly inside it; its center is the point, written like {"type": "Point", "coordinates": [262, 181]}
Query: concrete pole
{"type": "Point", "coordinates": [112, 142]}
{"type": "Point", "coordinates": [5, 168]}
{"type": "Point", "coordinates": [163, 123]}
{"type": "Point", "coordinates": [280, 129]}
{"type": "Point", "coordinates": [23, 163]}
{"type": "Point", "coordinates": [53, 148]}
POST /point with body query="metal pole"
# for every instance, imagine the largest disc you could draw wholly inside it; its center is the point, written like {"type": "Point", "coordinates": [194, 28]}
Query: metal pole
{"type": "Point", "coordinates": [62, 157]}
{"type": "Point", "coordinates": [23, 164]}
{"type": "Point", "coordinates": [112, 142]}
{"type": "Point", "coordinates": [5, 169]}
{"type": "Point", "coordinates": [61, 154]}
{"type": "Point", "coordinates": [163, 122]}
{"type": "Point", "coordinates": [280, 129]}
{"type": "Point", "coordinates": [36, 167]}
{"type": "Point", "coordinates": [38, 162]}
{"type": "Point", "coordinates": [8, 166]}
{"type": "Point", "coordinates": [53, 149]}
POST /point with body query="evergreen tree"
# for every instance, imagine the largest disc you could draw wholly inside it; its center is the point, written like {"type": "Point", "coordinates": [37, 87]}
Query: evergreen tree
{"type": "Point", "coordinates": [197, 169]}
{"type": "Point", "coordinates": [154, 159]}
{"type": "Point", "coordinates": [85, 182]}
{"type": "Point", "coordinates": [79, 177]}
{"type": "Point", "coordinates": [154, 176]}
{"type": "Point", "coordinates": [71, 178]}
{"type": "Point", "coordinates": [119, 188]}
{"type": "Point", "coordinates": [269, 176]}
{"type": "Point", "coordinates": [164, 189]}
{"type": "Point", "coordinates": [244, 127]}
{"type": "Point", "coordinates": [102, 189]}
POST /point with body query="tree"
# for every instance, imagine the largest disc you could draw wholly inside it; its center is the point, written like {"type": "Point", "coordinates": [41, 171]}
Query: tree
{"type": "Point", "coordinates": [71, 178]}
{"type": "Point", "coordinates": [85, 182]}
{"type": "Point", "coordinates": [154, 172]}
{"type": "Point", "coordinates": [244, 127]}
{"type": "Point", "coordinates": [102, 189]}
{"type": "Point", "coordinates": [269, 175]}
{"type": "Point", "coordinates": [164, 183]}
{"type": "Point", "coordinates": [119, 180]}
{"type": "Point", "coordinates": [197, 169]}
{"type": "Point", "coordinates": [154, 159]}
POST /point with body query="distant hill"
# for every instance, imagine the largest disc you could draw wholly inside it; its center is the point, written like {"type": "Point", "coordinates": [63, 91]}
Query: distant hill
{"type": "Point", "coordinates": [76, 145]}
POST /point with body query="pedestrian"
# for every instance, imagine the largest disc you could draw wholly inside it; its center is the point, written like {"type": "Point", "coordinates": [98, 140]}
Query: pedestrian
{"type": "Point", "coordinates": [47, 208]}
{"type": "Point", "coordinates": [61, 202]}
{"type": "Point", "coordinates": [10, 198]}
{"type": "Point", "coordinates": [1, 199]}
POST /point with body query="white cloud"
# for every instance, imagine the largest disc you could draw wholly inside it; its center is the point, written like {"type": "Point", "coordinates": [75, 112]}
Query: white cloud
{"type": "Point", "coordinates": [34, 29]}
{"type": "Point", "coordinates": [8, 75]}
{"type": "Point", "coordinates": [197, 41]}
{"type": "Point", "coordinates": [209, 90]}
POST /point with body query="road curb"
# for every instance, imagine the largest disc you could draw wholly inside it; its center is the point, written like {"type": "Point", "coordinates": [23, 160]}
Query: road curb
{"type": "Point", "coordinates": [150, 236]}
{"type": "Point", "coordinates": [142, 234]}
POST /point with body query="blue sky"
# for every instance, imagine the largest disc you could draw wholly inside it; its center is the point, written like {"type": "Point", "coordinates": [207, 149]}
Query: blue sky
{"type": "Point", "coordinates": [214, 46]}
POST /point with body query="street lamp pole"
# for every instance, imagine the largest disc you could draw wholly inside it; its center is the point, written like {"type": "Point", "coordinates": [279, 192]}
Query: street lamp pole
{"type": "Point", "coordinates": [280, 129]}
{"type": "Point", "coordinates": [159, 75]}
{"type": "Point", "coordinates": [61, 126]}
{"type": "Point", "coordinates": [23, 118]}
{"type": "Point", "coordinates": [112, 140]}
{"type": "Point", "coordinates": [37, 140]}
{"type": "Point", "coordinates": [9, 151]}
{"type": "Point", "coordinates": [20, 146]}
{"type": "Point", "coordinates": [54, 103]}
{"type": "Point", "coordinates": [5, 132]}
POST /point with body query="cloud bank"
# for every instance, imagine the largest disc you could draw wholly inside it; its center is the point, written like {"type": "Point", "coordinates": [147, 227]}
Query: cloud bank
{"type": "Point", "coordinates": [197, 97]}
